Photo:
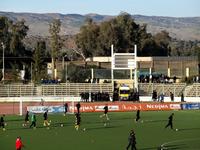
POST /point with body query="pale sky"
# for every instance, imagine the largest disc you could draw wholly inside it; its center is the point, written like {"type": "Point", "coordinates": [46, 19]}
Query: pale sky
{"type": "Point", "coordinates": [172, 8]}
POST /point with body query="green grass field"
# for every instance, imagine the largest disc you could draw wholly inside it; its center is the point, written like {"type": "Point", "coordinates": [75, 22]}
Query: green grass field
{"type": "Point", "coordinates": [150, 134]}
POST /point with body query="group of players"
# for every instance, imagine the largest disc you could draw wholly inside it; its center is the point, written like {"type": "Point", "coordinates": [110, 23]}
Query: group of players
{"type": "Point", "coordinates": [46, 123]}
{"type": "Point", "coordinates": [131, 138]}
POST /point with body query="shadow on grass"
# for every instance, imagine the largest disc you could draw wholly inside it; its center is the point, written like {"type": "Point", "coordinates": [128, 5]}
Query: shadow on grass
{"type": "Point", "coordinates": [53, 125]}
{"type": "Point", "coordinates": [58, 124]}
{"type": "Point", "coordinates": [101, 127]}
{"type": "Point", "coordinates": [13, 120]}
{"type": "Point", "coordinates": [149, 148]}
{"type": "Point", "coordinates": [188, 129]}
{"type": "Point", "coordinates": [154, 121]}
{"type": "Point", "coordinates": [166, 147]}
{"type": "Point", "coordinates": [174, 147]}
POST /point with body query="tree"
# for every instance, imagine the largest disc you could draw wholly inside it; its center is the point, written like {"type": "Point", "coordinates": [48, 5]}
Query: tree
{"type": "Point", "coordinates": [107, 37]}
{"type": "Point", "coordinates": [39, 66]}
{"type": "Point", "coordinates": [18, 33]}
{"type": "Point", "coordinates": [162, 40]}
{"type": "Point", "coordinates": [54, 30]}
{"type": "Point", "coordinates": [4, 36]}
{"type": "Point", "coordinates": [4, 30]}
{"type": "Point", "coordinates": [196, 50]}
{"type": "Point", "coordinates": [86, 40]}
{"type": "Point", "coordinates": [12, 35]}
{"type": "Point", "coordinates": [121, 31]}
{"type": "Point", "coordinates": [78, 74]}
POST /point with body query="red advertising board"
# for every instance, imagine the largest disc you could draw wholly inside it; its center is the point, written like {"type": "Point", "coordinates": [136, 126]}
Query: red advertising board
{"type": "Point", "coordinates": [13, 108]}
{"type": "Point", "coordinates": [123, 106]}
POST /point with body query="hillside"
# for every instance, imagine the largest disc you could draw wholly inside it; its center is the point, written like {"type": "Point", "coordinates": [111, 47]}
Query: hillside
{"type": "Point", "coordinates": [187, 28]}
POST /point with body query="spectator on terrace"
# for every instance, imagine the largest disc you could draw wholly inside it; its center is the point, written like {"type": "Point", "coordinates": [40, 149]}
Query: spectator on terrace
{"type": "Point", "coordinates": [172, 96]}
{"type": "Point", "coordinates": [174, 79]}
{"type": "Point", "coordinates": [182, 98]}
{"type": "Point", "coordinates": [161, 97]}
{"type": "Point", "coordinates": [154, 95]}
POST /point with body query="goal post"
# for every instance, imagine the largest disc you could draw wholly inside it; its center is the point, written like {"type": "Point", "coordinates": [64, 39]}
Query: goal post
{"type": "Point", "coordinates": [71, 107]}
{"type": "Point", "coordinates": [20, 107]}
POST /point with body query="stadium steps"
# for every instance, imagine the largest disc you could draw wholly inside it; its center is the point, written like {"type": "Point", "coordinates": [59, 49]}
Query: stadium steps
{"type": "Point", "coordinates": [146, 89]}
{"type": "Point", "coordinates": [193, 90]}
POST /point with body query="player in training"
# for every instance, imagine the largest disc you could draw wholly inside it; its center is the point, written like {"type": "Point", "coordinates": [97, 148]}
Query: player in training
{"type": "Point", "coordinates": [66, 108]}
{"type": "Point", "coordinates": [78, 121]}
{"type": "Point", "coordinates": [78, 106]}
{"type": "Point", "coordinates": [137, 116]}
{"type": "Point", "coordinates": [105, 115]}
{"type": "Point", "coordinates": [46, 123]}
{"type": "Point", "coordinates": [18, 143]}
{"type": "Point", "coordinates": [105, 112]}
{"type": "Point", "coordinates": [170, 121]}
{"type": "Point", "coordinates": [33, 121]}
{"type": "Point", "coordinates": [26, 120]}
{"type": "Point", "coordinates": [132, 141]}
{"type": "Point", "coordinates": [2, 123]}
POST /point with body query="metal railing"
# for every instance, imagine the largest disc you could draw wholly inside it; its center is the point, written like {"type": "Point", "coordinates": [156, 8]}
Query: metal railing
{"type": "Point", "coordinates": [75, 89]}
{"type": "Point", "coordinates": [146, 89]}
{"type": "Point", "coordinates": [69, 89]}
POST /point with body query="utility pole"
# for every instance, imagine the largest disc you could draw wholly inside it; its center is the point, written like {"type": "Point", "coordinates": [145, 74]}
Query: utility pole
{"type": "Point", "coordinates": [3, 46]}
{"type": "Point", "coordinates": [31, 73]}
{"type": "Point", "coordinates": [64, 67]}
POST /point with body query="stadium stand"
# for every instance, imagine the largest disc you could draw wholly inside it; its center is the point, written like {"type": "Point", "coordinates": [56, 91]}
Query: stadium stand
{"type": "Point", "coordinates": [193, 90]}
{"type": "Point", "coordinates": [146, 89]}
{"type": "Point", "coordinates": [76, 89]}
{"type": "Point", "coordinates": [17, 90]}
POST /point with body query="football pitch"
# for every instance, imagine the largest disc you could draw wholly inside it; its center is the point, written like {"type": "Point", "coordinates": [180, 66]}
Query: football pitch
{"type": "Point", "coordinates": [150, 133]}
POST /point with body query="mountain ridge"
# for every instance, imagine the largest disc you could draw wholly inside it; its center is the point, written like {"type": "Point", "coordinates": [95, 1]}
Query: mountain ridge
{"type": "Point", "coordinates": [182, 28]}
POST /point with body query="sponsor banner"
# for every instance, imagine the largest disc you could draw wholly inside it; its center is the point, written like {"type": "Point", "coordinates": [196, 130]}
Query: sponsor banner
{"type": "Point", "coordinates": [42, 109]}
{"type": "Point", "coordinates": [190, 106]}
{"type": "Point", "coordinates": [97, 107]}
{"type": "Point", "coordinates": [112, 107]}
{"type": "Point", "coordinates": [175, 106]}
{"type": "Point", "coordinates": [126, 106]}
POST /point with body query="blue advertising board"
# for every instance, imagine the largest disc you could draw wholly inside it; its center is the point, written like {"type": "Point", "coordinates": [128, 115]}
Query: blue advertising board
{"type": "Point", "coordinates": [190, 106]}
{"type": "Point", "coordinates": [42, 109]}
